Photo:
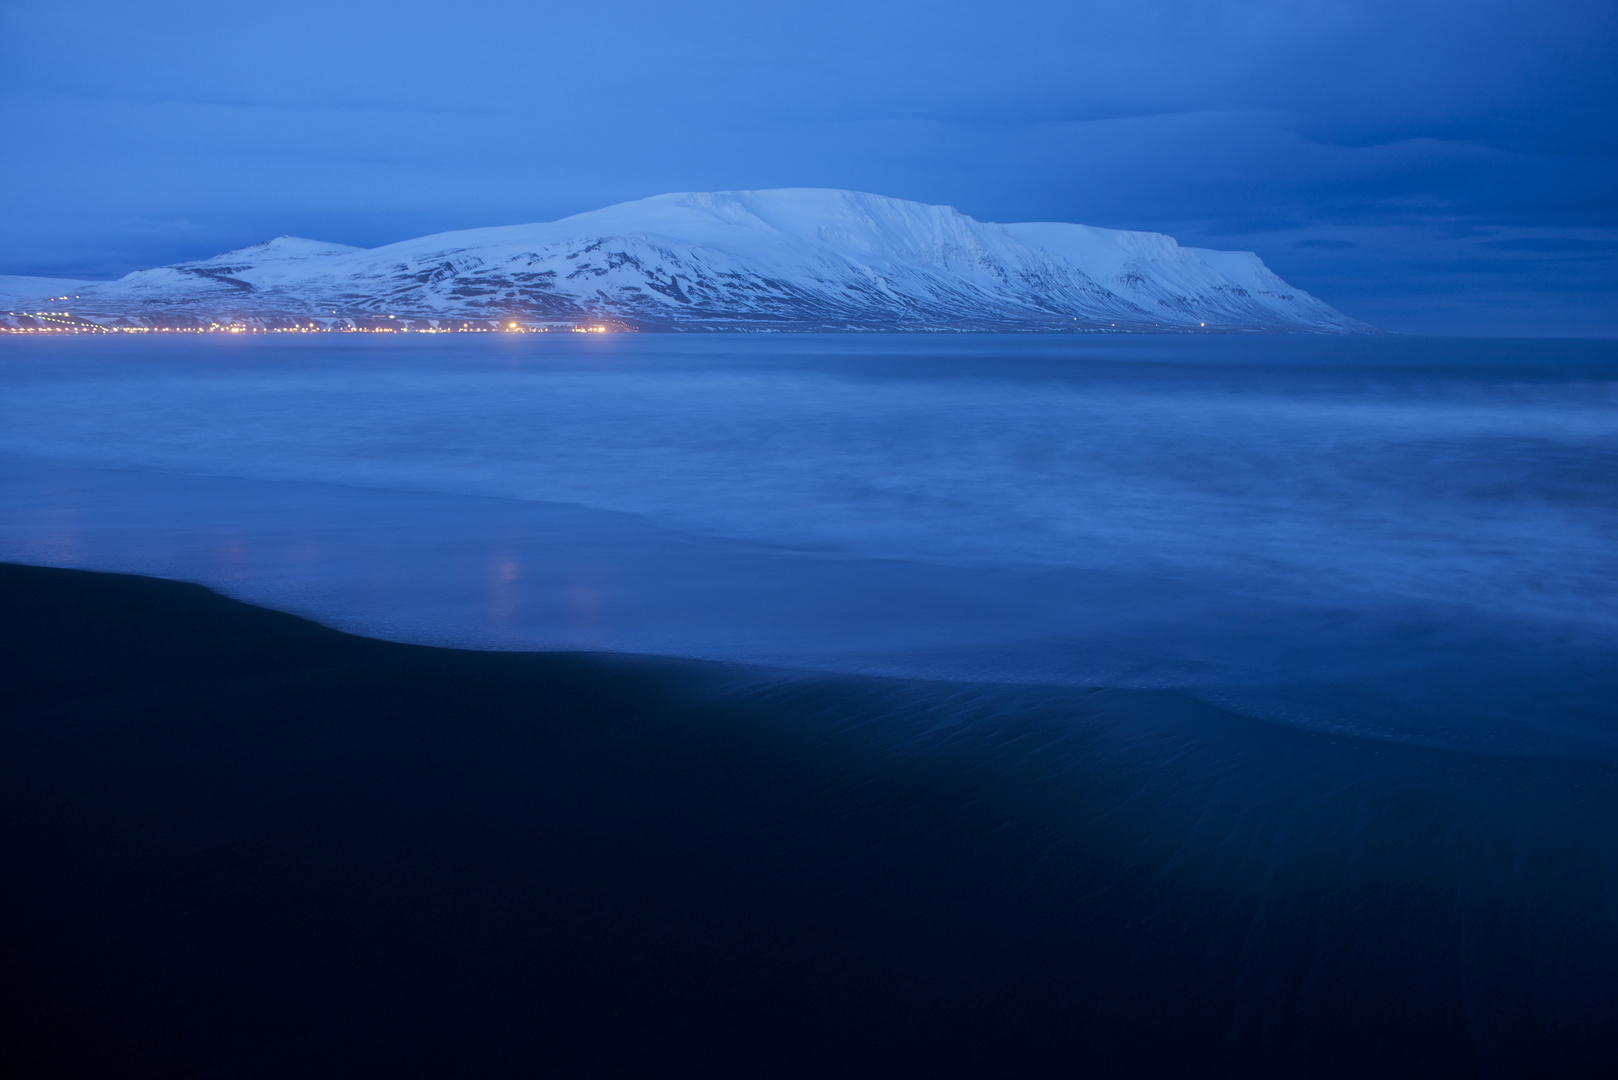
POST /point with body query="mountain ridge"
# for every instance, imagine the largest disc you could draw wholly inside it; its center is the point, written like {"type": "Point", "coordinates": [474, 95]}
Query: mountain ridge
{"type": "Point", "coordinates": [796, 259]}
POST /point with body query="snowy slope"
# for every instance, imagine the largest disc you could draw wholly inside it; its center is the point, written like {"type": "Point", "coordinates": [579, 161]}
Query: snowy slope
{"type": "Point", "coordinates": [791, 259]}
{"type": "Point", "coordinates": [33, 292]}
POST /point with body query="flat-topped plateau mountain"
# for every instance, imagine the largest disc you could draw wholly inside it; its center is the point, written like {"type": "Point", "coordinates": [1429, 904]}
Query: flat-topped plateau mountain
{"type": "Point", "coordinates": [794, 259]}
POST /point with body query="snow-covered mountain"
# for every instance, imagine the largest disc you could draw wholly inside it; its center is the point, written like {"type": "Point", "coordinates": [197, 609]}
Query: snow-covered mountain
{"type": "Point", "coordinates": [788, 259]}
{"type": "Point", "coordinates": [18, 289]}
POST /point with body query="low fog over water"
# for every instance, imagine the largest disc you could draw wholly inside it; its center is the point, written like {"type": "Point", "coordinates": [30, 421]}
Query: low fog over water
{"type": "Point", "coordinates": [1410, 539]}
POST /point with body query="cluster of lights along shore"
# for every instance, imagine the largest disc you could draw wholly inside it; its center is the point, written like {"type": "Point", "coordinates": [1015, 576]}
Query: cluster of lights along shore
{"type": "Point", "coordinates": [62, 322]}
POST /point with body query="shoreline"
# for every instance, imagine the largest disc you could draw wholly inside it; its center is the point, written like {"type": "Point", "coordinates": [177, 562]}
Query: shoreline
{"type": "Point", "coordinates": [252, 846]}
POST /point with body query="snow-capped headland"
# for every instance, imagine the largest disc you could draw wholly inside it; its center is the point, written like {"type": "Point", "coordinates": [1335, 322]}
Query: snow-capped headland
{"type": "Point", "coordinates": [797, 259]}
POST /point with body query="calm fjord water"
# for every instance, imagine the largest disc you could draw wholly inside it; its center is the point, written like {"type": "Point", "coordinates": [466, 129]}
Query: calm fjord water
{"type": "Point", "coordinates": [1406, 539]}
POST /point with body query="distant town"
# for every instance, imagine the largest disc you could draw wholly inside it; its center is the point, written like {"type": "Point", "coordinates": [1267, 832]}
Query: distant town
{"type": "Point", "coordinates": [63, 322]}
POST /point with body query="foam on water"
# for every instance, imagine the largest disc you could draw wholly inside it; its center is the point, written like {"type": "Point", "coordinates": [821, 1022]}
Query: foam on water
{"type": "Point", "coordinates": [1408, 539]}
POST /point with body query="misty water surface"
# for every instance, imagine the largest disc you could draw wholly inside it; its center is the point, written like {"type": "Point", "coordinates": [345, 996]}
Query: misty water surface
{"type": "Point", "coordinates": [1405, 538]}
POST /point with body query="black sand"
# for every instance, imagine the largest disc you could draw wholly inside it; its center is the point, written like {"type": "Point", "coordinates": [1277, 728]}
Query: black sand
{"type": "Point", "coordinates": [237, 844]}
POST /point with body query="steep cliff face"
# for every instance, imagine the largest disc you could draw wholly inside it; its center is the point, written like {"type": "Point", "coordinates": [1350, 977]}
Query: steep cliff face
{"type": "Point", "coordinates": [790, 259]}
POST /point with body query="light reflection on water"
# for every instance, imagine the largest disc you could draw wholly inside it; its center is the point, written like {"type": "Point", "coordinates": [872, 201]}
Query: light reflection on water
{"type": "Point", "coordinates": [1404, 538]}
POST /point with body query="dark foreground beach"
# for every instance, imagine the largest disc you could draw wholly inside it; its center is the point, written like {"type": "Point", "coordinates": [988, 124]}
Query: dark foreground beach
{"type": "Point", "coordinates": [239, 844]}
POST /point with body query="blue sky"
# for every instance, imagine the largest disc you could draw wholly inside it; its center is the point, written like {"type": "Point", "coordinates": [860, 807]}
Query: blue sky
{"type": "Point", "coordinates": [1429, 166]}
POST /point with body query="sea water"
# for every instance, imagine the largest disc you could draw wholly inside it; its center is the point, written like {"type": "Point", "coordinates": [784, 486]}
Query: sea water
{"type": "Point", "coordinates": [1405, 539]}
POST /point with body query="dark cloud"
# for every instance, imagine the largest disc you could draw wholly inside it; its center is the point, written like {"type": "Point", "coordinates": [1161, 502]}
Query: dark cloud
{"type": "Point", "coordinates": [1553, 245]}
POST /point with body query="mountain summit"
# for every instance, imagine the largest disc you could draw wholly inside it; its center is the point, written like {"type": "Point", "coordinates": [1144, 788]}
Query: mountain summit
{"type": "Point", "coordinates": [800, 259]}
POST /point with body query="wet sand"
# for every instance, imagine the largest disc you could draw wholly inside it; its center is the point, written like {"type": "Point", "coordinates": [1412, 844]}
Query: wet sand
{"type": "Point", "coordinates": [239, 844]}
